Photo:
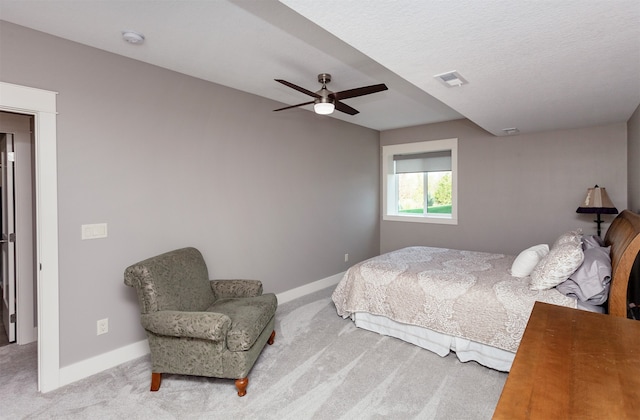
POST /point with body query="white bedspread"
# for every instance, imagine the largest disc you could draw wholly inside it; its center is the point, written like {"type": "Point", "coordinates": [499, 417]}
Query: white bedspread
{"type": "Point", "coordinates": [460, 293]}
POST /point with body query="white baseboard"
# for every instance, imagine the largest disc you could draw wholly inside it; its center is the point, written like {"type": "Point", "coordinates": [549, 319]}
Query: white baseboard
{"type": "Point", "coordinates": [102, 362]}
{"type": "Point", "coordinates": [309, 288]}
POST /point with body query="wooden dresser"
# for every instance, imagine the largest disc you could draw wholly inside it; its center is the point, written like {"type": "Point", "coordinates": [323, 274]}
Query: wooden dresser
{"type": "Point", "coordinates": [573, 364]}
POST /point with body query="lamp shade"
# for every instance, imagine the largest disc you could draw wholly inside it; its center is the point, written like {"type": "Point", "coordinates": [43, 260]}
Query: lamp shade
{"type": "Point", "coordinates": [597, 201]}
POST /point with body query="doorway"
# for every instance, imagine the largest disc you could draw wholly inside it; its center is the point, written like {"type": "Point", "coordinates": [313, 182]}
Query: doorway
{"type": "Point", "coordinates": [18, 264]}
{"type": "Point", "coordinates": [41, 104]}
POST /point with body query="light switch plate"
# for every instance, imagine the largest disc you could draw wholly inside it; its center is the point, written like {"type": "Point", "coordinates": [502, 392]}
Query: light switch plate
{"type": "Point", "coordinates": [94, 231]}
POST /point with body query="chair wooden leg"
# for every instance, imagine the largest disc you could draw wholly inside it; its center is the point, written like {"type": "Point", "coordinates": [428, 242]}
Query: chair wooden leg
{"type": "Point", "coordinates": [272, 337]}
{"type": "Point", "coordinates": [241, 384]}
{"type": "Point", "coordinates": [156, 379]}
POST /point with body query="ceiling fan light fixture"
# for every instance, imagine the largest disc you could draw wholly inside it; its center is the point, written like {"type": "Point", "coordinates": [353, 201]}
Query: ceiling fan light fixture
{"type": "Point", "coordinates": [324, 108]}
{"type": "Point", "coordinates": [325, 101]}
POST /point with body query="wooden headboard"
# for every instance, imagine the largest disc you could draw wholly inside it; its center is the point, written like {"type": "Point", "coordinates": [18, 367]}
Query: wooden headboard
{"type": "Point", "coordinates": [624, 237]}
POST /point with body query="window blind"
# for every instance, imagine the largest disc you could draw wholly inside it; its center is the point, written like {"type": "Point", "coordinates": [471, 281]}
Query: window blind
{"type": "Point", "coordinates": [423, 162]}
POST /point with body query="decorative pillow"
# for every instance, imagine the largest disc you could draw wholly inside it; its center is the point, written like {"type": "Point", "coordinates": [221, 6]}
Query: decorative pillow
{"type": "Point", "coordinates": [556, 267]}
{"type": "Point", "coordinates": [525, 261]}
{"type": "Point", "coordinates": [591, 241]}
{"type": "Point", "coordinates": [573, 236]}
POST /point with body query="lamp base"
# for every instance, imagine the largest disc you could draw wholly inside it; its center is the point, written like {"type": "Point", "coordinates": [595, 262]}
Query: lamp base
{"type": "Point", "coordinates": [598, 222]}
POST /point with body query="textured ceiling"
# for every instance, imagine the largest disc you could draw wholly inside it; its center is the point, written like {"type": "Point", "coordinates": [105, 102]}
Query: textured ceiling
{"type": "Point", "coordinates": [531, 65]}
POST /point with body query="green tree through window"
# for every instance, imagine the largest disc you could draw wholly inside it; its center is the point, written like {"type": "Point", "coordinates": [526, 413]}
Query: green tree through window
{"type": "Point", "coordinates": [442, 194]}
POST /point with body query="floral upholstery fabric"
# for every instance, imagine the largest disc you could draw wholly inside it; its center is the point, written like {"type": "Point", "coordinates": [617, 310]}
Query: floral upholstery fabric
{"type": "Point", "coordinates": [236, 288]}
{"type": "Point", "coordinates": [205, 325]}
{"type": "Point", "coordinates": [248, 318]}
{"type": "Point", "coordinates": [174, 281]}
{"type": "Point", "coordinates": [198, 326]}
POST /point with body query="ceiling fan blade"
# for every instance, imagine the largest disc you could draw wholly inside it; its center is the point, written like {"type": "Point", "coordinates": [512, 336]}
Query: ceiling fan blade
{"type": "Point", "coordinates": [298, 88]}
{"type": "Point", "coordinates": [346, 108]}
{"type": "Point", "coordinates": [293, 106]}
{"type": "Point", "coordinates": [352, 93]}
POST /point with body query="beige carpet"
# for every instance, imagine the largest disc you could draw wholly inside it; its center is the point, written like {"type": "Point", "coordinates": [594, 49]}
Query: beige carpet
{"type": "Point", "coordinates": [320, 367]}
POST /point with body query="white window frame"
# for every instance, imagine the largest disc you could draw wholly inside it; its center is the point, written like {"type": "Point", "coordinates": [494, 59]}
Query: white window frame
{"type": "Point", "coordinates": [390, 186]}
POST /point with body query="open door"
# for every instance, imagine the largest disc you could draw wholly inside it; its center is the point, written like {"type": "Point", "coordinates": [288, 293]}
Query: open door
{"type": "Point", "coordinates": [8, 237]}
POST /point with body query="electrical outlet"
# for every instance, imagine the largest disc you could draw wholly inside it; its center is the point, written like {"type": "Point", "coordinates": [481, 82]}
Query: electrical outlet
{"type": "Point", "coordinates": [102, 326]}
{"type": "Point", "coordinates": [346, 257]}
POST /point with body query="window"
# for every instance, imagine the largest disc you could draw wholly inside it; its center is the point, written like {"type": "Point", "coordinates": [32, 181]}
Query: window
{"type": "Point", "coordinates": [420, 182]}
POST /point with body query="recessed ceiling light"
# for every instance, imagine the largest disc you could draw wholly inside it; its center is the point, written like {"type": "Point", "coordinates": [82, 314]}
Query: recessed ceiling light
{"type": "Point", "coordinates": [133, 37]}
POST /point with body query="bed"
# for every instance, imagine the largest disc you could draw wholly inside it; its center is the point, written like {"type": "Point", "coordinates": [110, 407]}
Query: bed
{"type": "Point", "coordinates": [470, 303]}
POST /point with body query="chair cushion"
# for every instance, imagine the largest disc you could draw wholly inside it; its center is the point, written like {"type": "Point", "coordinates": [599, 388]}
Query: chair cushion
{"type": "Point", "coordinates": [249, 316]}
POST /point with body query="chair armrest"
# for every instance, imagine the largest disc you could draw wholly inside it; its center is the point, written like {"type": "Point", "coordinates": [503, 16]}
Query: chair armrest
{"type": "Point", "coordinates": [236, 288]}
{"type": "Point", "coordinates": [206, 325]}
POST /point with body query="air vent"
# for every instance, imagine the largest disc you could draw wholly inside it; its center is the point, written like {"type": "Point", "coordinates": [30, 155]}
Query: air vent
{"type": "Point", "coordinates": [451, 79]}
{"type": "Point", "coordinates": [510, 131]}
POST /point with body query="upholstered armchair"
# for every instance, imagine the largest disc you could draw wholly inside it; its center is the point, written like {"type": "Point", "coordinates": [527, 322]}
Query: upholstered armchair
{"type": "Point", "coordinates": [197, 326]}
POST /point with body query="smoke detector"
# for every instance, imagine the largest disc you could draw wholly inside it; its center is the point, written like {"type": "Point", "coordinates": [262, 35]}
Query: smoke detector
{"type": "Point", "coordinates": [451, 79]}
{"type": "Point", "coordinates": [133, 37]}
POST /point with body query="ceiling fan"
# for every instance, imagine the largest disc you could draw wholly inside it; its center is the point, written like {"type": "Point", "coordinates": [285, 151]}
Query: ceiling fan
{"type": "Point", "coordinates": [326, 101]}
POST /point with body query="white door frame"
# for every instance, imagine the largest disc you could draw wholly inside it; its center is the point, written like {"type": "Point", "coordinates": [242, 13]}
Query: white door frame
{"type": "Point", "coordinates": [42, 105]}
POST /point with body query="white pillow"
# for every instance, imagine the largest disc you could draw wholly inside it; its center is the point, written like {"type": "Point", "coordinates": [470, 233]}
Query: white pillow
{"type": "Point", "coordinates": [525, 261]}
{"type": "Point", "coordinates": [560, 263]}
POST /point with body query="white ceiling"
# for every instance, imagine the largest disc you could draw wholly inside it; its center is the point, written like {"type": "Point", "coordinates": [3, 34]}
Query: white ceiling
{"type": "Point", "coordinates": [532, 65]}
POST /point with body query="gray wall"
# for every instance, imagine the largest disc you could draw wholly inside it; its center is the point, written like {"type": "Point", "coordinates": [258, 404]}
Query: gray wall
{"type": "Point", "coordinates": [170, 161]}
{"type": "Point", "coordinates": [633, 160]}
{"type": "Point", "coordinates": [517, 191]}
